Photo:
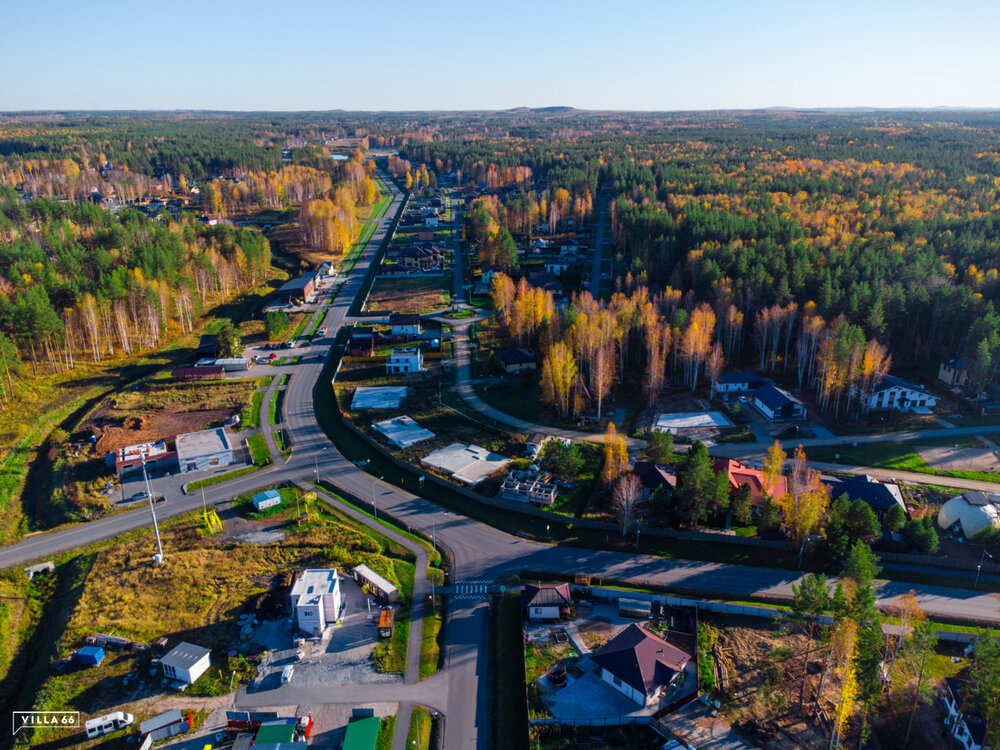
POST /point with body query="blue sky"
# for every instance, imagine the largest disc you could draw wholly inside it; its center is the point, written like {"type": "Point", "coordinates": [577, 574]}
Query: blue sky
{"type": "Point", "coordinates": [387, 55]}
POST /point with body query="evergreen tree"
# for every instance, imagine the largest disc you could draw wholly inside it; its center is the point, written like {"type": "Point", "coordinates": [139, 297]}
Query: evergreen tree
{"type": "Point", "coordinates": [228, 342]}
{"type": "Point", "coordinates": [695, 486]}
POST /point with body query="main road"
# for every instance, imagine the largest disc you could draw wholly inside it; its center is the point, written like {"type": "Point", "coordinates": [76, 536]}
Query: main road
{"type": "Point", "coordinates": [478, 552]}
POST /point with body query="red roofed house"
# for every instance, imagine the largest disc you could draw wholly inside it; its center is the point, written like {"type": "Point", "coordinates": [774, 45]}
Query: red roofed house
{"type": "Point", "coordinates": [545, 601]}
{"type": "Point", "coordinates": [740, 475]}
{"type": "Point", "coordinates": [641, 665]}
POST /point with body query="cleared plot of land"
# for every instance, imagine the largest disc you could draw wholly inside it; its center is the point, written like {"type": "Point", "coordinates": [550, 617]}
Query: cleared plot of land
{"type": "Point", "coordinates": [959, 459]}
{"type": "Point", "coordinates": [409, 295]}
{"type": "Point", "coordinates": [162, 409]}
{"type": "Point", "coordinates": [378, 397]}
{"type": "Point", "coordinates": [691, 420]}
{"type": "Point", "coordinates": [469, 464]}
{"type": "Point", "coordinates": [904, 456]}
{"type": "Point", "coordinates": [402, 431]}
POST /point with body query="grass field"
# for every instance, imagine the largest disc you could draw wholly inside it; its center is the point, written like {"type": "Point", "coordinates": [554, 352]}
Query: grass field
{"type": "Point", "coordinates": [390, 655]}
{"type": "Point", "coordinates": [404, 295]}
{"type": "Point", "coordinates": [220, 478]}
{"type": "Point", "coordinates": [386, 726]}
{"type": "Point", "coordinates": [274, 408]}
{"type": "Point", "coordinates": [250, 416]}
{"type": "Point", "coordinates": [894, 455]}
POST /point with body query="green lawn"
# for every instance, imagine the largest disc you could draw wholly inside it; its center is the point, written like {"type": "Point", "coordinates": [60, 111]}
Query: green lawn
{"type": "Point", "coordinates": [574, 502]}
{"type": "Point", "coordinates": [892, 455]}
{"type": "Point", "coordinates": [430, 643]}
{"type": "Point", "coordinates": [220, 478]}
{"type": "Point", "coordinates": [273, 409]}
{"type": "Point", "coordinates": [259, 453]}
{"type": "Point", "coordinates": [390, 656]}
{"type": "Point", "coordinates": [386, 727]}
{"type": "Point", "coordinates": [250, 416]}
{"type": "Point", "coordinates": [279, 440]}
{"type": "Point", "coordinates": [420, 729]}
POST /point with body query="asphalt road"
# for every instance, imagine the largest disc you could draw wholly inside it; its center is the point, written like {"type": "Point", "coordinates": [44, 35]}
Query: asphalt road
{"type": "Point", "coordinates": [478, 551]}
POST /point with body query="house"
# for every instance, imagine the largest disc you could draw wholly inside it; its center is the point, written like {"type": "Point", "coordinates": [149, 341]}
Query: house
{"type": "Point", "coordinates": [420, 257]}
{"type": "Point", "coordinates": [879, 496]}
{"type": "Point", "coordinates": [375, 584]}
{"type": "Point", "coordinates": [362, 342]}
{"type": "Point", "coordinates": [641, 665]}
{"type": "Point", "coordinates": [540, 244]}
{"type": "Point", "coordinates": [488, 272]}
{"type": "Point", "coordinates": [206, 449]}
{"type": "Point", "coordinates": [653, 476]}
{"type": "Point", "coordinates": [778, 405]}
{"type": "Point", "coordinates": [738, 382]}
{"type": "Point", "coordinates": [316, 599]}
{"type": "Point", "coordinates": [431, 220]}
{"type": "Point", "coordinates": [404, 325]}
{"type": "Point", "coordinates": [556, 266]}
{"type": "Point", "coordinates": [425, 234]}
{"type": "Point", "coordinates": [404, 361]}
{"type": "Point", "coordinates": [266, 499]}
{"type": "Point", "coordinates": [545, 601]}
{"type": "Point", "coordinates": [186, 662]}
{"type": "Point", "coordinates": [547, 281]}
{"type": "Point", "coordinates": [534, 444]}
{"type": "Point", "coordinates": [570, 248]}
{"type": "Point", "coordinates": [515, 360]}
{"type": "Point", "coordinates": [297, 290]}
{"type": "Point", "coordinates": [741, 475]}
{"type": "Point", "coordinates": [970, 513]}
{"type": "Point", "coordinates": [128, 460]}
{"type": "Point", "coordinates": [896, 393]}
{"type": "Point", "coordinates": [528, 486]}
{"type": "Point", "coordinates": [955, 373]}
{"type": "Point", "coordinates": [971, 729]}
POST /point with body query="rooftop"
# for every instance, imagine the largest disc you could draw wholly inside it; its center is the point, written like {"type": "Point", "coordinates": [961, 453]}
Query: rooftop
{"type": "Point", "coordinates": [370, 575]}
{"type": "Point", "coordinates": [315, 582]}
{"type": "Point", "coordinates": [298, 284]}
{"type": "Point", "coordinates": [642, 660]}
{"type": "Point", "coordinates": [202, 443]}
{"type": "Point", "coordinates": [404, 319]}
{"type": "Point", "coordinates": [402, 431]}
{"type": "Point", "coordinates": [470, 464]}
{"type": "Point", "coordinates": [545, 595]}
{"type": "Point", "coordinates": [773, 397]}
{"type": "Point", "coordinates": [184, 656]}
{"type": "Point", "coordinates": [378, 397]}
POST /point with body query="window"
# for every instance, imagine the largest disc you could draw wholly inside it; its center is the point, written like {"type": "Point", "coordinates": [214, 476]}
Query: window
{"type": "Point", "coordinates": [213, 461]}
{"type": "Point", "coordinates": [307, 613]}
{"type": "Point", "coordinates": [616, 680]}
{"type": "Point", "coordinates": [538, 610]}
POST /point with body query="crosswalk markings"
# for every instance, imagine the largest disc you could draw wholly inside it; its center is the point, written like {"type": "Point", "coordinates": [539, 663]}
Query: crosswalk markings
{"type": "Point", "coordinates": [472, 589]}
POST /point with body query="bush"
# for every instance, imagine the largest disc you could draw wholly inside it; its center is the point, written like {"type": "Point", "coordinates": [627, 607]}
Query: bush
{"type": "Point", "coordinates": [276, 323]}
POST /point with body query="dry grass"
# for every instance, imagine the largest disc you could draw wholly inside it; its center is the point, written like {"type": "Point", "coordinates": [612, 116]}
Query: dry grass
{"type": "Point", "coordinates": [410, 295]}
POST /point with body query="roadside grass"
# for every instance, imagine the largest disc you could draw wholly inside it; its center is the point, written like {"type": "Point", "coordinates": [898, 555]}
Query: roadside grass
{"type": "Point", "coordinates": [893, 455]}
{"type": "Point", "coordinates": [250, 416]}
{"type": "Point", "coordinates": [220, 478]}
{"type": "Point", "coordinates": [284, 379]}
{"type": "Point", "coordinates": [420, 729]}
{"type": "Point", "coordinates": [431, 639]}
{"type": "Point", "coordinates": [386, 728]}
{"type": "Point", "coordinates": [259, 453]}
{"type": "Point", "coordinates": [279, 440]}
{"type": "Point", "coordinates": [274, 408]}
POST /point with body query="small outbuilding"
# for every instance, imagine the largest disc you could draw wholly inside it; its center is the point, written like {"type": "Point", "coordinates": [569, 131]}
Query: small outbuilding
{"type": "Point", "coordinates": [266, 499]}
{"type": "Point", "coordinates": [362, 734]}
{"type": "Point", "coordinates": [89, 655]}
{"type": "Point", "coordinates": [386, 620]}
{"type": "Point", "coordinates": [376, 584]}
{"type": "Point", "coordinates": [546, 601]}
{"type": "Point", "coordinates": [970, 512]}
{"type": "Point", "coordinates": [186, 662]}
{"type": "Point", "coordinates": [164, 725]}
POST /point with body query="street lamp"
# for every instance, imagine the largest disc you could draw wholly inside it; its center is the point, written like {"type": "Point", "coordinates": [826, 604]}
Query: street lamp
{"type": "Point", "coordinates": [979, 567]}
{"type": "Point", "coordinates": [149, 494]}
{"type": "Point", "coordinates": [374, 504]}
{"type": "Point", "coordinates": [316, 463]}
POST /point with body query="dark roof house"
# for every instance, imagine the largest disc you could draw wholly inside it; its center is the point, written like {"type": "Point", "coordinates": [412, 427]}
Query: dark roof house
{"type": "Point", "coordinates": [545, 595]}
{"type": "Point", "coordinates": [880, 497]}
{"type": "Point", "coordinates": [645, 662]}
{"type": "Point", "coordinates": [653, 476]}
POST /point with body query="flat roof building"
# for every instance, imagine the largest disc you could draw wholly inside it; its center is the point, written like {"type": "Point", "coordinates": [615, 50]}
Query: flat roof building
{"type": "Point", "coordinates": [207, 449]}
{"type": "Point", "coordinates": [186, 662]}
{"type": "Point", "coordinates": [316, 599]}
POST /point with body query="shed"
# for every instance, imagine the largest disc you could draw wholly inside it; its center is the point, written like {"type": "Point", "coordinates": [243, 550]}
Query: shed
{"type": "Point", "coordinates": [362, 734]}
{"type": "Point", "coordinates": [266, 499]}
{"type": "Point", "coordinates": [385, 622]}
{"type": "Point", "coordinates": [276, 731]}
{"type": "Point", "coordinates": [633, 607]}
{"type": "Point", "coordinates": [186, 662]}
{"type": "Point", "coordinates": [380, 587]}
{"type": "Point", "coordinates": [89, 655]}
{"type": "Point", "coordinates": [165, 725]}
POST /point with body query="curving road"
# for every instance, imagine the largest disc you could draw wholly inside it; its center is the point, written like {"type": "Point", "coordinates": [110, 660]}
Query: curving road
{"type": "Point", "coordinates": [478, 552]}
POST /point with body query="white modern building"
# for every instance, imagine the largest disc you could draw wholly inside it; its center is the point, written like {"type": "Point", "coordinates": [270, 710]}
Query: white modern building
{"type": "Point", "coordinates": [186, 662]}
{"type": "Point", "coordinates": [207, 449]}
{"type": "Point", "coordinates": [316, 599]}
{"type": "Point", "coordinates": [738, 382]}
{"type": "Point", "coordinates": [901, 395]}
{"type": "Point", "coordinates": [404, 361]}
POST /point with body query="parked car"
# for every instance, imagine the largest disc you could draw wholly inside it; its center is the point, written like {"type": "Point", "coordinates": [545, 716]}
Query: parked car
{"type": "Point", "coordinates": [107, 723]}
{"type": "Point", "coordinates": [286, 674]}
{"type": "Point", "coordinates": [272, 357]}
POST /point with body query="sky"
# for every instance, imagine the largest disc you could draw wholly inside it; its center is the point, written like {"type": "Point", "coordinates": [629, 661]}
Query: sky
{"type": "Point", "coordinates": [476, 55]}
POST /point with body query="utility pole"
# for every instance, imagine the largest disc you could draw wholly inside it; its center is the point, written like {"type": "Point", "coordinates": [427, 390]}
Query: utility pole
{"type": "Point", "coordinates": [374, 504]}
{"type": "Point", "coordinates": [979, 567]}
{"type": "Point", "coordinates": [149, 493]}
